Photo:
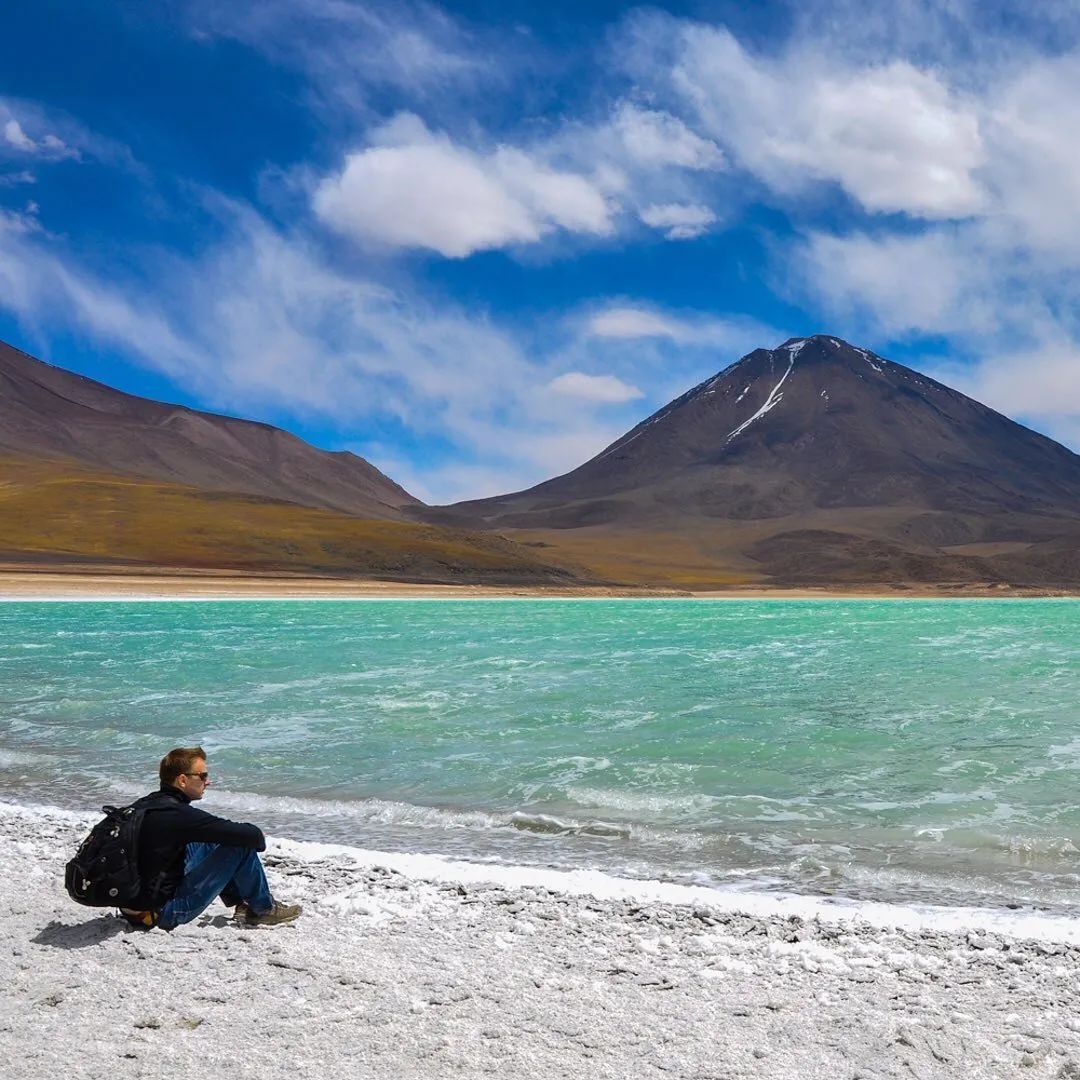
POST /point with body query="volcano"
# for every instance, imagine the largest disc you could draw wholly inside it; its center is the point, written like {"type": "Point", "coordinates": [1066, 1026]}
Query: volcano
{"type": "Point", "coordinates": [817, 462]}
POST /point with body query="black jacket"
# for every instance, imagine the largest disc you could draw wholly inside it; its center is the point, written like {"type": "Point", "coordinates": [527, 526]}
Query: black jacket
{"type": "Point", "coordinates": [170, 825]}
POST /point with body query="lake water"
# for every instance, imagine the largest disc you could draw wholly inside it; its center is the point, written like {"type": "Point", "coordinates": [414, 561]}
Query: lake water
{"type": "Point", "coordinates": [908, 751]}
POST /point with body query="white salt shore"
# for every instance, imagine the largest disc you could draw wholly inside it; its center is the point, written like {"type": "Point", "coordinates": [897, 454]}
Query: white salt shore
{"type": "Point", "coordinates": [438, 972]}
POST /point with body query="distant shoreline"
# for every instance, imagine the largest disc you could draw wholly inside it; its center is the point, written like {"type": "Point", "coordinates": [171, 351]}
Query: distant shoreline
{"type": "Point", "coordinates": [128, 583]}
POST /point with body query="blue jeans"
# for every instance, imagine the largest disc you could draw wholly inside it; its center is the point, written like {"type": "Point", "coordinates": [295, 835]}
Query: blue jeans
{"type": "Point", "coordinates": [233, 873]}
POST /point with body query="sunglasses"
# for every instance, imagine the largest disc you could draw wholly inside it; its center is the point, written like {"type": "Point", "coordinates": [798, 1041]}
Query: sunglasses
{"type": "Point", "coordinates": [203, 776]}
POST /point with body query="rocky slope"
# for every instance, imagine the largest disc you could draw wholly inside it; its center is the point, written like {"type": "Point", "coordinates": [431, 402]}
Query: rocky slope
{"type": "Point", "coordinates": [47, 412]}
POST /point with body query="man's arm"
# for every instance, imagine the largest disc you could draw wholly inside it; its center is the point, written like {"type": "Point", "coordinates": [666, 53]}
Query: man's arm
{"type": "Point", "coordinates": [201, 827]}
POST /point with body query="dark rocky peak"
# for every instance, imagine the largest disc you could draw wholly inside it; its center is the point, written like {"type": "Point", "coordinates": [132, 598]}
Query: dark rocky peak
{"type": "Point", "coordinates": [814, 423]}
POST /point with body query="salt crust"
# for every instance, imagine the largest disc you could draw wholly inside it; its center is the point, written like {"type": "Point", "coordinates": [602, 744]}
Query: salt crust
{"type": "Point", "coordinates": [465, 971]}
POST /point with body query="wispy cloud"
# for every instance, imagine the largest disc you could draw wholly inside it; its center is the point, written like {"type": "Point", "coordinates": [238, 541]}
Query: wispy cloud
{"type": "Point", "coordinates": [35, 136]}
{"type": "Point", "coordinates": [261, 325]}
{"type": "Point", "coordinates": [627, 321]}
{"type": "Point", "coordinates": [43, 143]}
{"type": "Point", "coordinates": [348, 49]}
{"type": "Point", "coordinates": [12, 179]}
{"type": "Point", "coordinates": [654, 137]}
{"type": "Point", "coordinates": [680, 221]}
{"type": "Point", "coordinates": [604, 388]}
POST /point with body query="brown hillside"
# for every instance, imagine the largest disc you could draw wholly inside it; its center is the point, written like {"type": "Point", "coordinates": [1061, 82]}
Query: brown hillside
{"type": "Point", "coordinates": [53, 511]}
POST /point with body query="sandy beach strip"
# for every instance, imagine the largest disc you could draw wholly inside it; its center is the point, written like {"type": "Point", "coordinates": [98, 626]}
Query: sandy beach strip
{"type": "Point", "coordinates": [21, 583]}
{"type": "Point", "coordinates": [446, 971]}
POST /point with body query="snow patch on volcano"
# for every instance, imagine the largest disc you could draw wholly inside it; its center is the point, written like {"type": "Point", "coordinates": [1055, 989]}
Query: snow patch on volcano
{"type": "Point", "coordinates": [775, 396]}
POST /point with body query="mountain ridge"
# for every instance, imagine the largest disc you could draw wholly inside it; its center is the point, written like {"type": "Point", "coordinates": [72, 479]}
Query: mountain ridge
{"type": "Point", "coordinates": [815, 463]}
{"type": "Point", "coordinates": [830, 446]}
{"type": "Point", "coordinates": [90, 475]}
{"type": "Point", "coordinates": [48, 411]}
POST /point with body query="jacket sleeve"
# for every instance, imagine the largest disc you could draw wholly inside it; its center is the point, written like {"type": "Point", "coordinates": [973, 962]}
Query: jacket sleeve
{"type": "Point", "coordinates": [201, 827]}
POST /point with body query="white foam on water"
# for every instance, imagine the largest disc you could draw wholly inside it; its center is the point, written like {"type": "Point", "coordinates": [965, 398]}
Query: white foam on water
{"type": "Point", "coordinates": [636, 802]}
{"type": "Point", "coordinates": [961, 920]}
{"type": "Point", "coordinates": [582, 763]}
{"type": "Point", "coordinates": [12, 758]}
{"type": "Point", "coordinates": [735, 900]}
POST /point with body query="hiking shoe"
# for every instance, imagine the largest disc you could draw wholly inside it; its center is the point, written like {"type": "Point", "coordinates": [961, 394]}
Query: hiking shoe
{"type": "Point", "coordinates": [144, 920]}
{"type": "Point", "coordinates": [279, 913]}
{"type": "Point", "coordinates": [241, 912]}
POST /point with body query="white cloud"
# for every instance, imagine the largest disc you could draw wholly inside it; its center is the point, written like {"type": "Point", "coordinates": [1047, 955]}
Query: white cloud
{"type": "Point", "coordinates": [1039, 386]}
{"type": "Point", "coordinates": [430, 196]}
{"type": "Point", "coordinates": [1035, 164]}
{"type": "Point", "coordinates": [600, 388]}
{"type": "Point", "coordinates": [426, 192]}
{"type": "Point", "coordinates": [935, 282]}
{"type": "Point", "coordinates": [656, 138]}
{"type": "Point", "coordinates": [679, 220]}
{"type": "Point", "coordinates": [14, 223]}
{"type": "Point", "coordinates": [15, 135]}
{"type": "Point", "coordinates": [1012, 340]}
{"type": "Point", "coordinates": [643, 160]}
{"type": "Point", "coordinates": [633, 322]}
{"type": "Point", "coordinates": [21, 177]}
{"type": "Point", "coordinates": [895, 137]}
{"type": "Point", "coordinates": [560, 198]}
{"type": "Point", "coordinates": [47, 146]}
{"type": "Point", "coordinates": [629, 321]}
{"type": "Point", "coordinates": [29, 130]}
{"type": "Point", "coordinates": [1043, 382]}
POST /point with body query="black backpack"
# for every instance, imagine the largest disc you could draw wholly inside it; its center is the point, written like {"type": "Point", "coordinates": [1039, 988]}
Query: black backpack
{"type": "Point", "coordinates": [105, 870]}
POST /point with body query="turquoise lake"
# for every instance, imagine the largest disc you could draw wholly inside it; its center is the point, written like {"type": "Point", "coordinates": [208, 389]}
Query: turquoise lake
{"type": "Point", "coordinates": [909, 751]}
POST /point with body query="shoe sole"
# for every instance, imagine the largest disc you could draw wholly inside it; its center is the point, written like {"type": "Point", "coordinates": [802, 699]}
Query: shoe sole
{"type": "Point", "coordinates": [255, 920]}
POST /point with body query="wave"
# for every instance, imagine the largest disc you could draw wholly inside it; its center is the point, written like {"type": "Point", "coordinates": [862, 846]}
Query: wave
{"type": "Point", "coordinates": [1020, 847]}
{"type": "Point", "coordinates": [547, 823]}
{"type": "Point", "coordinates": [388, 812]}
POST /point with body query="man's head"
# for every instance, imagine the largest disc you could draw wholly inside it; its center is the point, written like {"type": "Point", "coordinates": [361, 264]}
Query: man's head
{"type": "Point", "coordinates": [185, 769]}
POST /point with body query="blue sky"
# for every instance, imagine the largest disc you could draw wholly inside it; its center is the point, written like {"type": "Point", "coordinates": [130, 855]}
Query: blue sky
{"type": "Point", "coordinates": [477, 242]}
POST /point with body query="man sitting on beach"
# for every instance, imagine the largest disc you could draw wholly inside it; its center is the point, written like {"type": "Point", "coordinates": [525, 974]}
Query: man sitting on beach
{"type": "Point", "coordinates": [187, 857]}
